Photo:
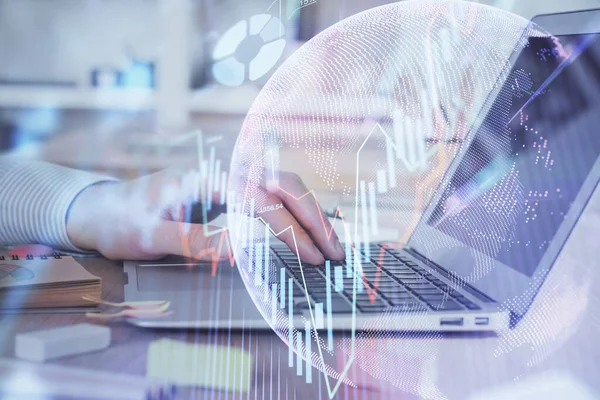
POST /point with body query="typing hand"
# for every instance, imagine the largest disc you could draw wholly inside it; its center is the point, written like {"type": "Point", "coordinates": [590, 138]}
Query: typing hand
{"type": "Point", "coordinates": [289, 203]}
{"type": "Point", "coordinates": [141, 219]}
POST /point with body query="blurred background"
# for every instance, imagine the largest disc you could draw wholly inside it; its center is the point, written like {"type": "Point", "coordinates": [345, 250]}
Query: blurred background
{"type": "Point", "coordinates": [111, 85]}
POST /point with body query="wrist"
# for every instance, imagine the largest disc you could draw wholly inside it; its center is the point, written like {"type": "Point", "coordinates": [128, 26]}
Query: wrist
{"type": "Point", "coordinates": [84, 216]}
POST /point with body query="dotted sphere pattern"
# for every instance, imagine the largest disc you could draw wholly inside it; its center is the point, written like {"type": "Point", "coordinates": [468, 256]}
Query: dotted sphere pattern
{"type": "Point", "coordinates": [414, 58]}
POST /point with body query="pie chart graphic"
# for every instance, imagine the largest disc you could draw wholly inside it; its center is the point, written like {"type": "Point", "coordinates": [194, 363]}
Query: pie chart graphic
{"type": "Point", "coordinates": [248, 50]}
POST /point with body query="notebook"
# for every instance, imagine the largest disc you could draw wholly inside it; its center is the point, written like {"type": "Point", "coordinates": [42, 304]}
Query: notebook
{"type": "Point", "coordinates": [45, 282]}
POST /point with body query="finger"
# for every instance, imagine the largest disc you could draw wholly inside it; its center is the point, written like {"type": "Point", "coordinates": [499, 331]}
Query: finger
{"type": "Point", "coordinates": [291, 232]}
{"type": "Point", "coordinates": [200, 242]}
{"type": "Point", "coordinates": [306, 210]}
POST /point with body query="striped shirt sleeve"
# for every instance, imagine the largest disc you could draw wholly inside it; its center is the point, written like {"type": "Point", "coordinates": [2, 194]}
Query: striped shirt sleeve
{"type": "Point", "coordinates": [35, 198]}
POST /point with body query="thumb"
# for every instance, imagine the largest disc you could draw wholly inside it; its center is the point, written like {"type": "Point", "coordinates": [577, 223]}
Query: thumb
{"type": "Point", "coordinates": [195, 241]}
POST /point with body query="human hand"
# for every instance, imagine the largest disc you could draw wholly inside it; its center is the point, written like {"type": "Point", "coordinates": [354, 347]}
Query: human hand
{"type": "Point", "coordinates": [144, 219]}
{"type": "Point", "coordinates": [289, 203]}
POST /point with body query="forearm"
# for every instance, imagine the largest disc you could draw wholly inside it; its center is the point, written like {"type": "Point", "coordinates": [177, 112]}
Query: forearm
{"type": "Point", "coordinates": [35, 198]}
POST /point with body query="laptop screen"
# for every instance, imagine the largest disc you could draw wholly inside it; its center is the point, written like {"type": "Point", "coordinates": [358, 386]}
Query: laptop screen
{"type": "Point", "coordinates": [528, 175]}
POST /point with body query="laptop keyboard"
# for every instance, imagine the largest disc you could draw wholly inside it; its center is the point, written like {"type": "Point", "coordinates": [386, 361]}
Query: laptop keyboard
{"type": "Point", "coordinates": [400, 282]}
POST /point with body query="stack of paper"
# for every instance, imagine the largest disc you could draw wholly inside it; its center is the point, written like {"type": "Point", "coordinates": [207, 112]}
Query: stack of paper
{"type": "Point", "coordinates": [45, 282]}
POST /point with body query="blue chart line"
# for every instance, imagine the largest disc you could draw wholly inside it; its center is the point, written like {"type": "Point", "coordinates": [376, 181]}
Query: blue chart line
{"type": "Point", "coordinates": [348, 252]}
{"type": "Point", "coordinates": [274, 303]}
{"type": "Point", "coordinates": [290, 322]}
{"type": "Point", "coordinates": [319, 321]}
{"type": "Point", "coordinates": [258, 279]}
{"type": "Point", "coordinates": [282, 291]}
{"type": "Point", "coordinates": [267, 261]}
{"type": "Point", "coordinates": [365, 220]}
{"type": "Point", "coordinates": [308, 356]}
{"type": "Point", "coordinates": [339, 278]}
{"type": "Point", "coordinates": [299, 353]}
{"type": "Point", "coordinates": [211, 166]}
{"type": "Point", "coordinates": [328, 295]}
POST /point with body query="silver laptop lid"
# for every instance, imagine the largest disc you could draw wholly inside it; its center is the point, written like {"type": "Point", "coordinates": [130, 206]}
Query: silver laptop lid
{"type": "Point", "coordinates": [511, 198]}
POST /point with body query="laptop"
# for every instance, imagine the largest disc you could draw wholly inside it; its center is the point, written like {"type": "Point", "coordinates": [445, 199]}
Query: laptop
{"type": "Point", "coordinates": [454, 274]}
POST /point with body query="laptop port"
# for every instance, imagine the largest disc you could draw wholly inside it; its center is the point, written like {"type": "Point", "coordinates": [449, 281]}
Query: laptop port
{"type": "Point", "coordinates": [451, 321]}
{"type": "Point", "coordinates": [482, 320]}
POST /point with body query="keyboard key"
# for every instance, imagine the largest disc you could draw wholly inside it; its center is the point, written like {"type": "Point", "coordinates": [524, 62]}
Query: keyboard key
{"type": "Point", "coordinates": [398, 269]}
{"type": "Point", "coordinates": [421, 291]}
{"type": "Point", "coordinates": [453, 292]}
{"type": "Point", "coordinates": [388, 261]}
{"type": "Point", "coordinates": [421, 286]}
{"type": "Point", "coordinates": [404, 274]}
{"type": "Point", "coordinates": [384, 259]}
{"type": "Point", "coordinates": [311, 273]}
{"type": "Point", "coordinates": [400, 297]}
{"type": "Point", "coordinates": [393, 249]}
{"type": "Point", "coordinates": [472, 306]}
{"type": "Point", "coordinates": [390, 288]}
{"type": "Point", "coordinates": [407, 303]}
{"type": "Point", "coordinates": [317, 288]}
{"type": "Point", "coordinates": [317, 291]}
{"type": "Point", "coordinates": [319, 295]}
{"type": "Point", "coordinates": [391, 264]}
{"type": "Point", "coordinates": [339, 306]}
{"type": "Point", "coordinates": [425, 275]}
{"type": "Point", "coordinates": [371, 268]}
{"type": "Point", "coordinates": [374, 302]}
{"type": "Point", "coordinates": [377, 300]}
{"type": "Point", "coordinates": [379, 264]}
{"type": "Point", "coordinates": [424, 288]}
{"type": "Point", "coordinates": [373, 275]}
{"type": "Point", "coordinates": [349, 286]}
{"type": "Point", "coordinates": [433, 297]}
{"type": "Point", "coordinates": [312, 281]}
{"type": "Point", "coordinates": [395, 291]}
{"type": "Point", "coordinates": [373, 308]}
{"type": "Point", "coordinates": [290, 262]}
{"type": "Point", "coordinates": [362, 298]}
{"type": "Point", "coordinates": [382, 277]}
{"type": "Point", "coordinates": [412, 281]}
{"type": "Point", "coordinates": [461, 299]}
